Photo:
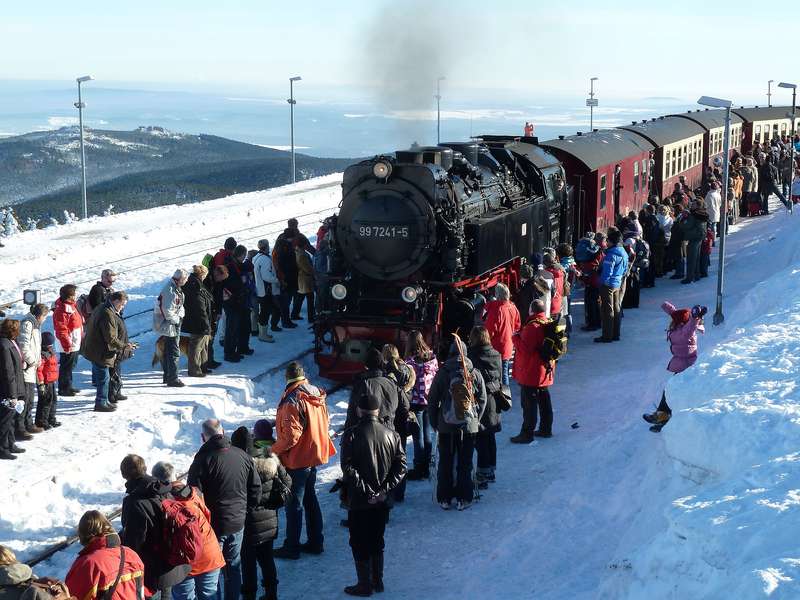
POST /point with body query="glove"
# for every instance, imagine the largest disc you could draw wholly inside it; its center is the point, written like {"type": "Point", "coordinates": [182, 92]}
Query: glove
{"type": "Point", "coordinates": [698, 312]}
{"type": "Point", "coordinates": [42, 389]}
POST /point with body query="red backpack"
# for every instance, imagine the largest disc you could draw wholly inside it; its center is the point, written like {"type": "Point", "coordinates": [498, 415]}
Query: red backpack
{"type": "Point", "coordinates": [181, 535]}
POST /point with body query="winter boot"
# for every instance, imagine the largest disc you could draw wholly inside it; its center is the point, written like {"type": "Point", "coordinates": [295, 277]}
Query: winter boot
{"type": "Point", "coordinates": [524, 437]}
{"type": "Point", "coordinates": [270, 591]}
{"type": "Point", "coordinates": [376, 572]}
{"type": "Point", "coordinates": [104, 407]}
{"type": "Point", "coordinates": [263, 336]}
{"type": "Point", "coordinates": [362, 588]}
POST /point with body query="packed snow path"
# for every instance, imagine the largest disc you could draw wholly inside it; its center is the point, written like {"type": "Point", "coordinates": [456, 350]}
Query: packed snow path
{"type": "Point", "coordinates": [598, 511]}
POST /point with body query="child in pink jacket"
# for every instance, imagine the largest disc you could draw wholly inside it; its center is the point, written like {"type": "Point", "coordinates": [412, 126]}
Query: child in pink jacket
{"type": "Point", "coordinates": [682, 336]}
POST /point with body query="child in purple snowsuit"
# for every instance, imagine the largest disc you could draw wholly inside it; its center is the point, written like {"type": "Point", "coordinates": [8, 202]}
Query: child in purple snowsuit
{"type": "Point", "coordinates": [682, 336]}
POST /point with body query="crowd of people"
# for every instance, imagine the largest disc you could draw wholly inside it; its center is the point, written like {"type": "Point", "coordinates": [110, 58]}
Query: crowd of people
{"type": "Point", "coordinates": [212, 535]}
{"type": "Point", "coordinates": [245, 294]}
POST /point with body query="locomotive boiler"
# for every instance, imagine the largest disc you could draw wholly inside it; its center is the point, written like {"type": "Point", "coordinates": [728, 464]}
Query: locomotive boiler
{"type": "Point", "coordinates": [423, 234]}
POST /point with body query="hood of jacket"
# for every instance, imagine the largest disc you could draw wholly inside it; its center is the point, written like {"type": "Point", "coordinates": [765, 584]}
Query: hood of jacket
{"type": "Point", "coordinates": [701, 214]}
{"type": "Point", "coordinates": [147, 487]}
{"type": "Point", "coordinates": [15, 574]}
{"type": "Point", "coordinates": [266, 467]}
{"type": "Point", "coordinates": [617, 250]}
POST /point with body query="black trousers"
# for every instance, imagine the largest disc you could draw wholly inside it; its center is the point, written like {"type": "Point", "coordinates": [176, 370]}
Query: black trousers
{"type": "Point", "coordinates": [214, 323]}
{"type": "Point", "coordinates": [536, 400]}
{"type": "Point", "coordinates": [237, 330]}
{"type": "Point", "coordinates": [455, 455]}
{"type": "Point", "coordinates": [285, 300]}
{"type": "Point", "coordinates": [253, 558]}
{"type": "Point", "coordinates": [486, 447]}
{"type": "Point", "coordinates": [366, 531]}
{"type": "Point", "coordinates": [46, 405]}
{"type": "Point", "coordinates": [591, 300]}
{"type": "Point", "coordinates": [269, 310]}
{"type": "Point", "coordinates": [244, 329]}
{"type": "Point", "coordinates": [24, 421]}
{"type": "Point", "coordinates": [115, 381]}
{"type": "Point", "coordinates": [298, 305]}
{"type": "Point", "coordinates": [6, 427]}
{"type": "Point", "coordinates": [66, 364]}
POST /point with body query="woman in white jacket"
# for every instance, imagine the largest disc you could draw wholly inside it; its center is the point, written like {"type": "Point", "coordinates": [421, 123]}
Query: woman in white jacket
{"type": "Point", "coordinates": [266, 285]}
{"type": "Point", "coordinates": [713, 206]}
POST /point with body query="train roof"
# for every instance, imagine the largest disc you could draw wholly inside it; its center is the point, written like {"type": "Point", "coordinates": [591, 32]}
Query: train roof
{"type": "Point", "coordinates": [762, 113]}
{"type": "Point", "coordinates": [666, 130]}
{"type": "Point", "coordinates": [526, 146]}
{"type": "Point", "coordinates": [709, 119]}
{"type": "Point", "coordinates": [600, 148]}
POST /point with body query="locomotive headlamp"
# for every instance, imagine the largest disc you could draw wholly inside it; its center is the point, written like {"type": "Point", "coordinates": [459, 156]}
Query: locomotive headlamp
{"type": "Point", "coordinates": [382, 169]}
{"type": "Point", "coordinates": [410, 294]}
{"type": "Point", "coordinates": [339, 291]}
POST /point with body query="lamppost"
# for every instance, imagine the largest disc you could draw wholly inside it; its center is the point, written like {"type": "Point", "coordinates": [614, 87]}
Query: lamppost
{"type": "Point", "coordinates": [439, 109]}
{"type": "Point", "coordinates": [292, 102]}
{"type": "Point", "coordinates": [769, 92]}
{"type": "Point", "coordinates": [793, 87]}
{"type": "Point", "coordinates": [80, 106]}
{"type": "Point", "coordinates": [591, 102]}
{"type": "Point", "coordinates": [723, 229]}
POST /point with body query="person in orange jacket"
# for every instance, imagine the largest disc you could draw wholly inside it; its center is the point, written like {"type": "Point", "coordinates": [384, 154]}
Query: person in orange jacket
{"type": "Point", "coordinates": [302, 426]}
{"type": "Point", "coordinates": [101, 561]}
{"type": "Point", "coordinates": [502, 321]}
{"type": "Point", "coordinates": [534, 376]}
{"type": "Point", "coordinates": [203, 579]}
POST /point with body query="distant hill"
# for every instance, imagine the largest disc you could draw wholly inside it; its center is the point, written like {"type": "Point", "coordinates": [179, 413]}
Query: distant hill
{"type": "Point", "coordinates": [150, 166]}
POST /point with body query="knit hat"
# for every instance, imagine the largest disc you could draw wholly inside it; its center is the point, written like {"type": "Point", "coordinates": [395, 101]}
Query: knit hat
{"type": "Point", "coordinates": [680, 317]}
{"type": "Point", "coordinates": [262, 430]}
{"type": "Point", "coordinates": [48, 339]}
{"type": "Point", "coordinates": [369, 402]}
{"type": "Point", "coordinates": [242, 439]}
{"type": "Point", "coordinates": [536, 259]}
{"type": "Point", "coordinates": [230, 244]}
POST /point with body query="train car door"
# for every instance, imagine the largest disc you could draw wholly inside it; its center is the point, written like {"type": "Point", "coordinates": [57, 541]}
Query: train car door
{"type": "Point", "coordinates": [617, 189]}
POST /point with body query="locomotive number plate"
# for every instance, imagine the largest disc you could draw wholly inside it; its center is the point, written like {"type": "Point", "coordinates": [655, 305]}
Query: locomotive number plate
{"type": "Point", "coordinates": [381, 231]}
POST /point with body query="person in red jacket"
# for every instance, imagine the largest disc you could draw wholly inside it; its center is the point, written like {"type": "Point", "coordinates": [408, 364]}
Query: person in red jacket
{"type": "Point", "coordinates": [502, 321]}
{"type": "Point", "coordinates": [46, 377]}
{"type": "Point", "coordinates": [68, 325]}
{"type": "Point", "coordinates": [534, 377]}
{"type": "Point", "coordinates": [102, 559]}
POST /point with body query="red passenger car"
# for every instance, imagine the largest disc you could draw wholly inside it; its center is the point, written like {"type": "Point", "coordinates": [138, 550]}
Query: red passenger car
{"type": "Point", "coordinates": [713, 122]}
{"type": "Point", "coordinates": [609, 171]}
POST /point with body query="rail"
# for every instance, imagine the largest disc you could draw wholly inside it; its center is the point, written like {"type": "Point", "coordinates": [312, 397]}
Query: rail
{"type": "Point", "coordinates": [176, 246]}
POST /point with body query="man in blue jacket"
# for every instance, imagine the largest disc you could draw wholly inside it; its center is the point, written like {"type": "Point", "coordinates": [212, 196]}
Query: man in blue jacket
{"type": "Point", "coordinates": [612, 274]}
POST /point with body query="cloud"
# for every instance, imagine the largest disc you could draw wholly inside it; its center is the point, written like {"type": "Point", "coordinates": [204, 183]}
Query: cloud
{"type": "Point", "coordinates": [57, 122]}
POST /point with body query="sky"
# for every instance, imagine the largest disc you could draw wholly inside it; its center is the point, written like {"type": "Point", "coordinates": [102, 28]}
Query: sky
{"type": "Point", "coordinates": [510, 48]}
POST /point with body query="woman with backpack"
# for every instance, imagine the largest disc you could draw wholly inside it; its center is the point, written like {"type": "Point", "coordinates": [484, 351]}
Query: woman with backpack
{"type": "Point", "coordinates": [261, 524]}
{"type": "Point", "coordinates": [682, 337]}
{"type": "Point", "coordinates": [488, 361]}
{"type": "Point", "coordinates": [405, 377]}
{"type": "Point", "coordinates": [422, 360]}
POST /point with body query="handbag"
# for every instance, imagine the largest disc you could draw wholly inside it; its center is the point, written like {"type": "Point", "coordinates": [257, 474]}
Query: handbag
{"type": "Point", "coordinates": [502, 399]}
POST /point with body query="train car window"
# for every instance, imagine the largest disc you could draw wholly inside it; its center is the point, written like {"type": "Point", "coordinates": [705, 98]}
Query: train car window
{"type": "Point", "coordinates": [645, 177]}
{"type": "Point", "coordinates": [783, 129]}
{"type": "Point", "coordinates": [694, 153]}
{"type": "Point", "coordinates": [775, 131]}
{"type": "Point", "coordinates": [674, 162]}
{"type": "Point", "coordinates": [757, 137]}
{"type": "Point", "coordinates": [602, 192]}
{"type": "Point", "coordinates": [680, 160]}
{"type": "Point", "coordinates": [636, 177]}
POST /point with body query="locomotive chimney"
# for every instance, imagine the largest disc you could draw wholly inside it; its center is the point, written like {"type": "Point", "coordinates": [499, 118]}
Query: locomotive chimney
{"type": "Point", "coordinates": [561, 137]}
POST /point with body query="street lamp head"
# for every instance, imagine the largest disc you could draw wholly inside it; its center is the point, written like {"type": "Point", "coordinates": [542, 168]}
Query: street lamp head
{"type": "Point", "coordinates": [714, 102]}
{"type": "Point", "coordinates": [84, 79]}
{"type": "Point", "coordinates": [296, 78]}
{"type": "Point", "coordinates": [790, 86]}
{"type": "Point", "coordinates": [594, 79]}
{"type": "Point", "coordinates": [442, 78]}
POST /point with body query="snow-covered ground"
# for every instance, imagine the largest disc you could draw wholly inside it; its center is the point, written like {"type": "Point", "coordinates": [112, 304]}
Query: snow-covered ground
{"type": "Point", "coordinates": [605, 509]}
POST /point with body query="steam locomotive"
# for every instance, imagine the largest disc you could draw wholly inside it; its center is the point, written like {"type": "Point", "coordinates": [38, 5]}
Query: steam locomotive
{"type": "Point", "coordinates": [423, 234]}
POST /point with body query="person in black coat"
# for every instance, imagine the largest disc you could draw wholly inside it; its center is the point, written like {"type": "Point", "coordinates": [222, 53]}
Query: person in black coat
{"type": "Point", "coordinates": [12, 387]}
{"type": "Point", "coordinates": [234, 304]}
{"type": "Point", "coordinates": [197, 302]}
{"type": "Point", "coordinates": [229, 482]}
{"type": "Point", "coordinates": [261, 526]}
{"type": "Point", "coordinates": [143, 522]}
{"type": "Point", "coordinates": [373, 464]}
{"type": "Point", "coordinates": [375, 383]}
{"type": "Point", "coordinates": [487, 360]}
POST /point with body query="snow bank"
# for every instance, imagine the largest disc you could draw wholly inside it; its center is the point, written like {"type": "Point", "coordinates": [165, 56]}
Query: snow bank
{"type": "Point", "coordinates": [734, 518]}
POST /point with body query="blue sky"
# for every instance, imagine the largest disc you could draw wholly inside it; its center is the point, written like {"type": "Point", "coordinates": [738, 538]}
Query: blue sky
{"type": "Point", "coordinates": [530, 48]}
